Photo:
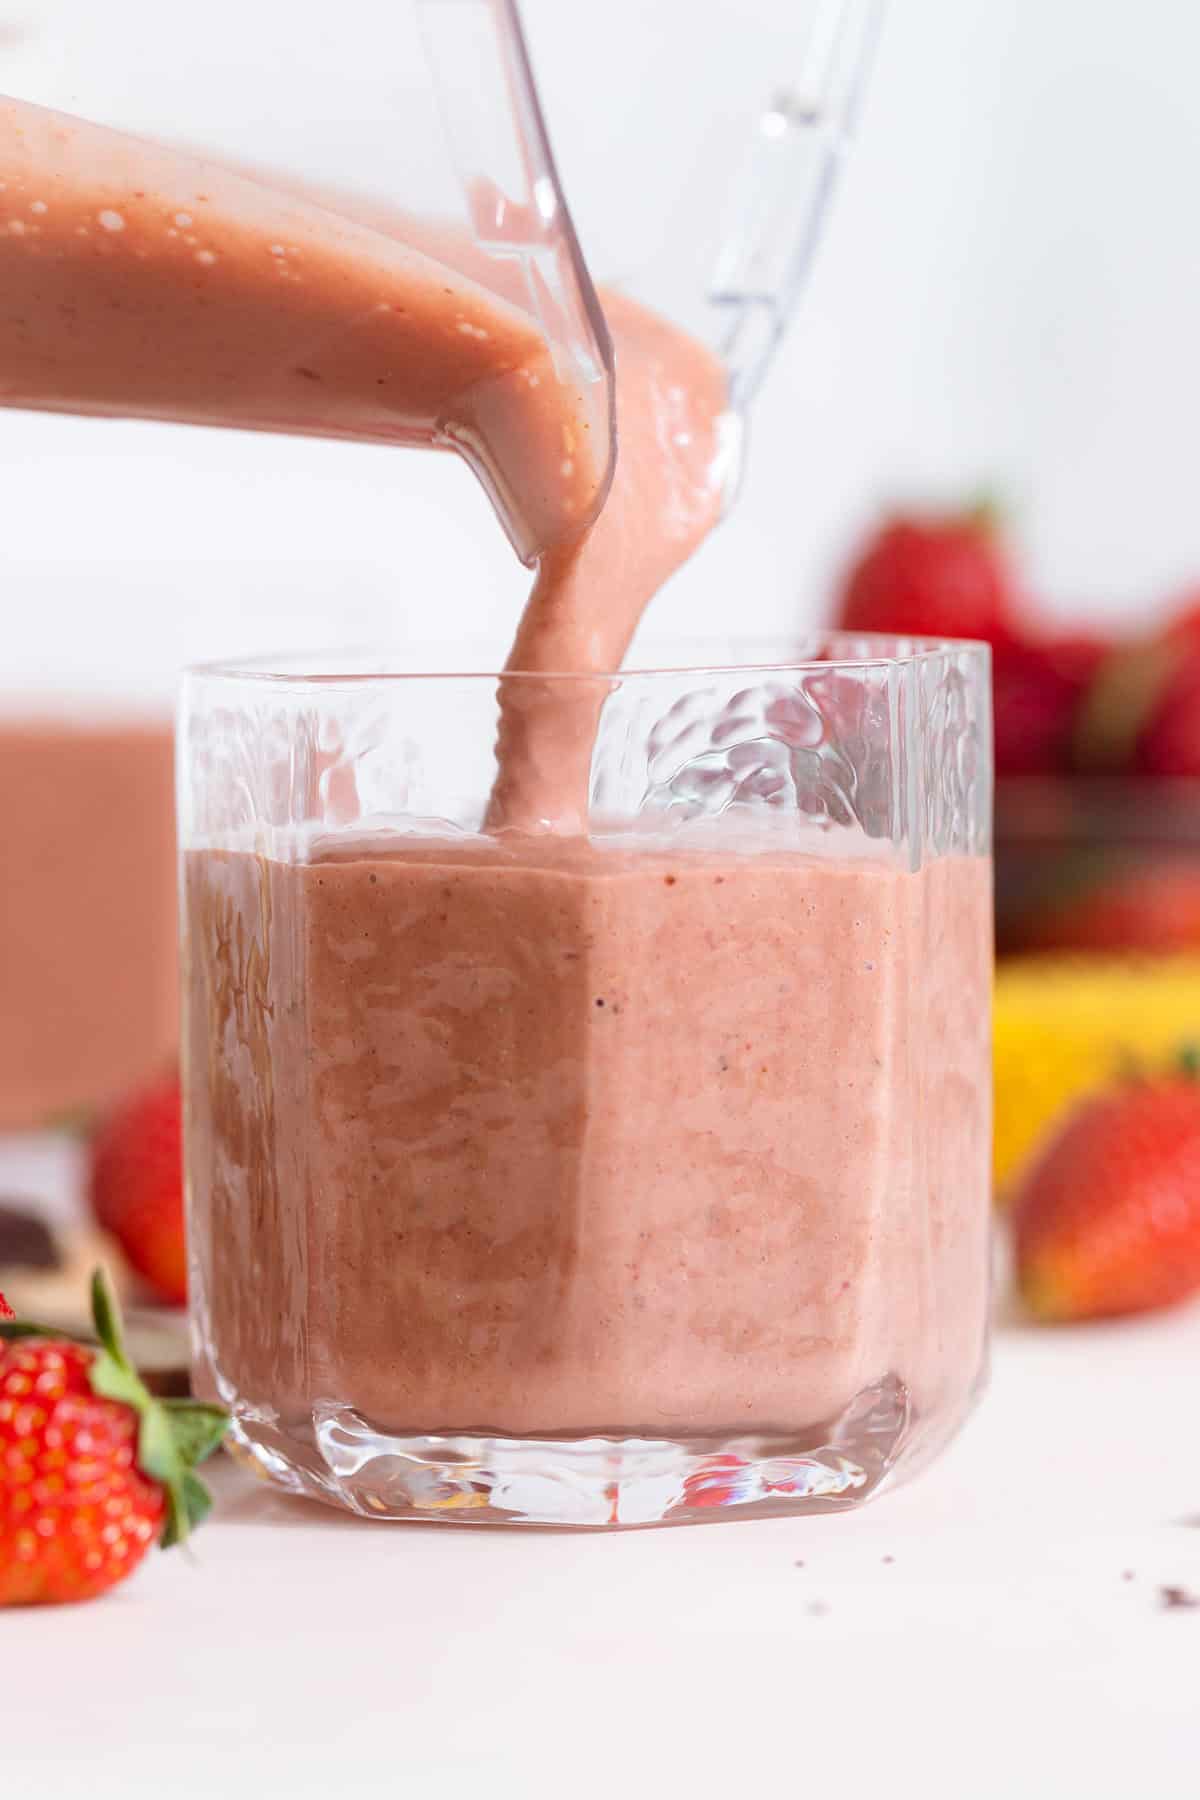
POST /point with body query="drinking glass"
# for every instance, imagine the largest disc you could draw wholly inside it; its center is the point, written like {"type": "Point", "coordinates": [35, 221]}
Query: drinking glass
{"type": "Point", "coordinates": [635, 1175]}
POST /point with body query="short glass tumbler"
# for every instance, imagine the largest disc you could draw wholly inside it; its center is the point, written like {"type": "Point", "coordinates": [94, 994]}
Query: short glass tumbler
{"type": "Point", "coordinates": [625, 1173]}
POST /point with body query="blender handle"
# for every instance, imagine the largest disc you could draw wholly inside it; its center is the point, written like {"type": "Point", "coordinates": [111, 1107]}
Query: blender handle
{"type": "Point", "coordinates": [777, 205]}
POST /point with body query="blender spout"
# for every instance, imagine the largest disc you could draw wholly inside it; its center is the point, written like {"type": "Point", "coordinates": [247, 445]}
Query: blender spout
{"type": "Point", "coordinates": [481, 73]}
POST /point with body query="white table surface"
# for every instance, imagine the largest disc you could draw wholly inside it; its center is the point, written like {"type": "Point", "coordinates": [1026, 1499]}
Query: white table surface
{"type": "Point", "coordinates": [1002, 1653]}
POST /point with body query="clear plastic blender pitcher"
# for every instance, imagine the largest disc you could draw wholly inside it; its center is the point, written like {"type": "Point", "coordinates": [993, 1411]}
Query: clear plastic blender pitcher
{"type": "Point", "coordinates": [419, 128]}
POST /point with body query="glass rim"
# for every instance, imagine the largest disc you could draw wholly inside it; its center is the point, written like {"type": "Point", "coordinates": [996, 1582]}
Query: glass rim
{"type": "Point", "coordinates": [328, 668]}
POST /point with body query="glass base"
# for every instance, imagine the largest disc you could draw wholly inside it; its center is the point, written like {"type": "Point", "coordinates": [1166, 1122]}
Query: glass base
{"type": "Point", "coordinates": [592, 1482]}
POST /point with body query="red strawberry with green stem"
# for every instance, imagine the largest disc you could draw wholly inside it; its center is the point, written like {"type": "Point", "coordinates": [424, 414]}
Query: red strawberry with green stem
{"type": "Point", "coordinates": [136, 1186]}
{"type": "Point", "coordinates": [92, 1468]}
{"type": "Point", "coordinates": [1107, 1220]}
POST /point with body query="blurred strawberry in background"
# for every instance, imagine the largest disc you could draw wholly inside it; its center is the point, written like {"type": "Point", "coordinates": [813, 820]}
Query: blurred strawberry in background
{"type": "Point", "coordinates": [1169, 741]}
{"type": "Point", "coordinates": [951, 575]}
{"type": "Point", "coordinates": [1039, 686]}
{"type": "Point", "coordinates": [1183, 615]}
{"type": "Point", "coordinates": [1150, 907]}
{"type": "Point", "coordinates": [1067, 703]}
{"type": "Point", "coordinates": [933, 575]}
{"type": "Point", "coordinates": [136, 1186]}
{"type": "Point", "coordinates": [1108, 1218]}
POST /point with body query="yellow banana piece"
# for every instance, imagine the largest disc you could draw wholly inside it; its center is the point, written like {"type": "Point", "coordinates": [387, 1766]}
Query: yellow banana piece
{"type": "Point", "coordinates": [1067, 1025]}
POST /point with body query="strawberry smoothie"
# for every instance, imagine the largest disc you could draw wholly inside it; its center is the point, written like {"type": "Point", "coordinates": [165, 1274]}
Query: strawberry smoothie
{"type": "Point", "coordinates": [592, 1140]}
{"type": "Point", "coordinates": [537, 1131]}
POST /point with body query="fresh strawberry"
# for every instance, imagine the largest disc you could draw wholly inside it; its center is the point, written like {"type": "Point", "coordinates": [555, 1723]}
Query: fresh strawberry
{"type": "Point", "coordinates": [1038, 688]}
{"type": "Point", "coordinates": [6, 1311]}
{"type": "Point", "coordinates": [1107, 1220]}
{"type": "Point", "coordinates": [136, 1186]}
{"type": "Point", "coordinates": [1150, 907]}
{"type": "Point", "coordinates": [92, 1469]}
{"type": "Point", "coordinates": [932, 577]}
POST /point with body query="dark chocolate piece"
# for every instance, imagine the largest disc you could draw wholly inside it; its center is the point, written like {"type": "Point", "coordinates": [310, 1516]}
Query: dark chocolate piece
{"type": "Point", "coordinates": [26, 1241]}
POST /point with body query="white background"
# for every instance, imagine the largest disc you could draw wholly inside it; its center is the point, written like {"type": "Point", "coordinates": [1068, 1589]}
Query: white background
{"type": "Point", "coordinates": [1007, 296]}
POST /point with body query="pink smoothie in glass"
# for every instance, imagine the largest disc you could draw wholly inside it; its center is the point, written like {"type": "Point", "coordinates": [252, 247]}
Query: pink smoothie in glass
{"type": "Point", "coordinates": [568, 1139]}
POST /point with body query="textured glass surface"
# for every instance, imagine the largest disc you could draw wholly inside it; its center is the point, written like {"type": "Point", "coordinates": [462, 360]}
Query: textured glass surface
{"type": "Point", "coordinates": [599, 1180]}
